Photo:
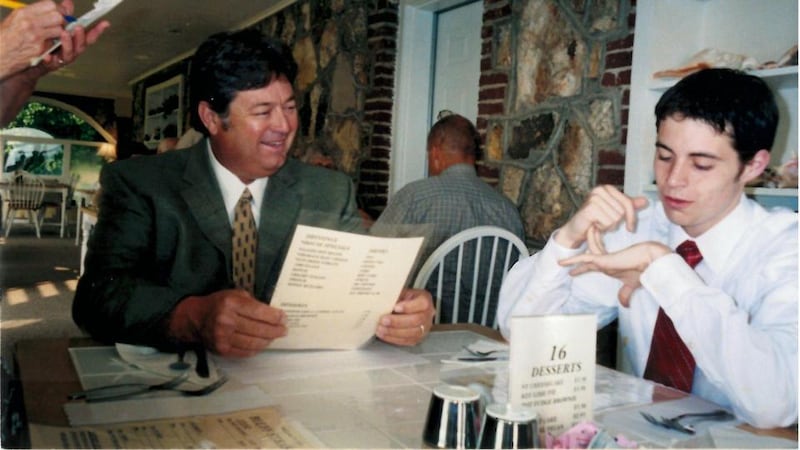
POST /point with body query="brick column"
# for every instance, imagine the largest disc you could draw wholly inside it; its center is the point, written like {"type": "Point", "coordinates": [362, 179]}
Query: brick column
{"type": "Point", "coordinates": [373, 180]}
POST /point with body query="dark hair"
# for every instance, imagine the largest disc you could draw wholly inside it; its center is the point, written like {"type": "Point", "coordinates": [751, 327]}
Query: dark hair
{"type": "Point", "coordinates": [227, 63]}
{"type": "Point", "coordinates": [456, 133]}
{"type": "Point", "coordinates": [733, 102]}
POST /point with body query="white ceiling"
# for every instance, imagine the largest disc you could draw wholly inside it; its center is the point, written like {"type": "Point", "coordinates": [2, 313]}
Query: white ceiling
{"type": "Point", "coordinates": [146, 35]}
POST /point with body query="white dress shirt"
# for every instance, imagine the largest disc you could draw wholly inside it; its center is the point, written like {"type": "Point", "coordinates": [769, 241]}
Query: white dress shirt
{"type": "Point", "coordinates": [232, 188]}
{"type": "Point", "coordinates": [737, 311]}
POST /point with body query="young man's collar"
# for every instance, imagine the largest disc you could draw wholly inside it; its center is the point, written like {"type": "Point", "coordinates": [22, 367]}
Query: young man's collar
{"type": "Point", "coordinates": [719, 241]}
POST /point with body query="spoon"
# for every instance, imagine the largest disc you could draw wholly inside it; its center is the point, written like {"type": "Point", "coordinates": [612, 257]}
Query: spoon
{"type": "Point", "coordinates": [480, 353]}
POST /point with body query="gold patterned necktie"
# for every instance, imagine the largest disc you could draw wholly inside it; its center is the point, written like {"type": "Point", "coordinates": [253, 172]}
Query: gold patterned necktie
{"type": "Point", "coordinates": [245, 238]}
{"type": "Point", "coordinates": [670, 361]}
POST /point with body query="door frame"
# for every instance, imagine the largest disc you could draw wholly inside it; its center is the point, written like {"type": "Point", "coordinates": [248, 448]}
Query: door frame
{"type": "Point", "coordinates": [411, 117]}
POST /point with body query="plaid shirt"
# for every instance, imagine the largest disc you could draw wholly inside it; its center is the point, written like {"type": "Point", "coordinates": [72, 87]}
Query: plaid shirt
{"type": "Point", "coordinates": [454, 201]}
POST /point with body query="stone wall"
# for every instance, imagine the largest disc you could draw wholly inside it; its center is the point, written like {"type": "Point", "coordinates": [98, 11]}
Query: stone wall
{"type": "Point", "coordinates": [553, 99]}
{"type": "Point", "coordinates": [555, 79]}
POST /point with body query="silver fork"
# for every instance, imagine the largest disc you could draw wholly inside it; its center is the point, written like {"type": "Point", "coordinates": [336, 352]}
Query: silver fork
{"type": "Point", "coordinates": [674, 423]}
{"type": "Point", "coordinates": [120, 391]}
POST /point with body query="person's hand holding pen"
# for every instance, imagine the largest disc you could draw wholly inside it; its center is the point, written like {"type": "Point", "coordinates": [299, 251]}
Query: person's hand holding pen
{"type": "Point", "coordinates": [30, 30]}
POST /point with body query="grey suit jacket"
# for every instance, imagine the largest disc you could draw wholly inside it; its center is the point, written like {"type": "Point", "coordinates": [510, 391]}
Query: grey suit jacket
{"type": "Point", "coordinates": [163, 234]}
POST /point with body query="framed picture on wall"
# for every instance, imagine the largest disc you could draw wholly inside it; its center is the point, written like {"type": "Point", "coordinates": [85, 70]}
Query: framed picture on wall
{"type": "Point", "coordinates": [163, 115]}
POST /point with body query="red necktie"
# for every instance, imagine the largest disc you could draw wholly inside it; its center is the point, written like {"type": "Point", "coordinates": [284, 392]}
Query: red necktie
{"type": "Point", "coordinates": [670, 362]}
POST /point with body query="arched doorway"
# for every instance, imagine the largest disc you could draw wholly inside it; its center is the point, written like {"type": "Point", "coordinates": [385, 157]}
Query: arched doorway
{"type": "Point", "coordinates": [56, 141]}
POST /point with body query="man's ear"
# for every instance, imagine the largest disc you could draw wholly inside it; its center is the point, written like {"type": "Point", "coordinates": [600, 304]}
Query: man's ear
{"type": "Point", "coordinates": [209, 117]}
{"type": "Point", "coordinates": [756, 166]}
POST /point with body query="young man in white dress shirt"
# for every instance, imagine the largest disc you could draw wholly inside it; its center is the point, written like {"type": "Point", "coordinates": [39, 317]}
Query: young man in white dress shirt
{"type": "Point", "coordinates": [736, 311]}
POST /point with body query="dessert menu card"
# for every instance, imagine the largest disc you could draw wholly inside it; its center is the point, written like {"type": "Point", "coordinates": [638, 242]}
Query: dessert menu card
{"type": "Point", "coordinates": [552, 368]}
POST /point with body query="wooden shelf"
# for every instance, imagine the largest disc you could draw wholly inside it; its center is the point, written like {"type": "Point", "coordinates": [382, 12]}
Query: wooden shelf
{"type": "Point", "coordinates": [778, 78]}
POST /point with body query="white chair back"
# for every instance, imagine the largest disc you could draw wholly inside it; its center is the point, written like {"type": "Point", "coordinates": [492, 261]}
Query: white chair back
{"type": "Point", "coordinates": [25, 193]}
{"type": "Point", "coordinates": [465, 272]}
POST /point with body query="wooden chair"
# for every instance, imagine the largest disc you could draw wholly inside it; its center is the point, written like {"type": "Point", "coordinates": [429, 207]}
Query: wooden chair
{"type": "Point", "coordinates": [25, 193]}
{"type": "Point", "coordinates": [465, 272]}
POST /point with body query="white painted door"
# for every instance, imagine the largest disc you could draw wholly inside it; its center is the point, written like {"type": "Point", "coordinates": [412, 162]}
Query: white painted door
{"type": "Point", "coordinates": [415, 111]}
{"type": "Point", "coordinates": [457, 65]}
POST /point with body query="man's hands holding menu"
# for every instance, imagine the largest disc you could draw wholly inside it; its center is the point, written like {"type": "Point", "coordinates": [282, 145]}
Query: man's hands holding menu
{"type": "Point", "coordinates": [229, 322]}
{"type": "Point", "coordinates": [410, 321]}
{"type": "Point", "coordinates": [233, 323]}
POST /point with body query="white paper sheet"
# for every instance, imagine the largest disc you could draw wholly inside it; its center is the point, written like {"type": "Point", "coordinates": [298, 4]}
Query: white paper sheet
{"type": "Point", "coordinates": [147, 408]}
{"type": "Point", "coordinates": [278, 365]}
{"type": "Point", "coordinates": [100, 9]}
{"type": "Point", "coordinates": [334, 286]}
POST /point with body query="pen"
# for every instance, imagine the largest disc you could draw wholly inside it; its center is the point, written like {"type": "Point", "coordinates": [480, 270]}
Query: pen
{"type": "Point", "coordinates": [71, 21]}
{"type": "Point", "coordinates": [12, 4]}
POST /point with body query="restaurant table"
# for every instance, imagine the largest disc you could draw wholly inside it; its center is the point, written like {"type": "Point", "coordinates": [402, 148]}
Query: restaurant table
{"type": "Point", "coordinates": [58, 188]}
{"type": "Point", "coordinates": [381, 408]}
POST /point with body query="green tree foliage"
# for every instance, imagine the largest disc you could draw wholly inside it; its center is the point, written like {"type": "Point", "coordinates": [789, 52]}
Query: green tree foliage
{"type": "Point", "coordinates": [57, 122]}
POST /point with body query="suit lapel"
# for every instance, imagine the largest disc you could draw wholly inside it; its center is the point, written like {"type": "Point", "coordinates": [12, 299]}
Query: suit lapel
{"type": "Point", "coordinates": [279, 212]}
{"type": "Point", "coordinates": [205, 202]}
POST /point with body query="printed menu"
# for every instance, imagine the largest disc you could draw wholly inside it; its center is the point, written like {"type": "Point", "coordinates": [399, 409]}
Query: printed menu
{"type": "Point", "coordinates": [552, 368]}
{"type": "Point", "coordinates": [257, 428]}
{"type": "Point", "coordinates": [334, 286]}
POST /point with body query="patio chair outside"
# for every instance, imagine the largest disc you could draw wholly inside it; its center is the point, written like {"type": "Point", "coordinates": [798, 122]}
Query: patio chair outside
{"type": "Point", "coordinates": [25, 193]}
{"type": "Point", "coordinates": [465, 272]}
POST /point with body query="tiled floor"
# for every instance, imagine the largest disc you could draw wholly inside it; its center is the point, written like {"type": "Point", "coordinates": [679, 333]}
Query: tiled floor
{"type": "Point", "coordinates": [26, 260]}
{"type": "Point", "coordinates": [37, 282]}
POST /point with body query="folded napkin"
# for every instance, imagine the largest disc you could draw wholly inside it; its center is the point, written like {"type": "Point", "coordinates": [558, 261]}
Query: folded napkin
{"type": "Point", "coordinates": [151, 360]}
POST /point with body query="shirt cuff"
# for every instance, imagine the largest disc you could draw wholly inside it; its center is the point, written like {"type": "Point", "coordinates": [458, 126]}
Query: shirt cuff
{"type": "Point", "coordinates": [553, 252]}
{"type": "Point", "coordinates": [668, 278]}
{"type": "Point", "coordinates": [558, 251]}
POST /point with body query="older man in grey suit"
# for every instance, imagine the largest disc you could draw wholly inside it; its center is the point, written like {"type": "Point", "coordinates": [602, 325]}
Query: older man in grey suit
{"type": "Point", "coordinates": [159, 265]}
